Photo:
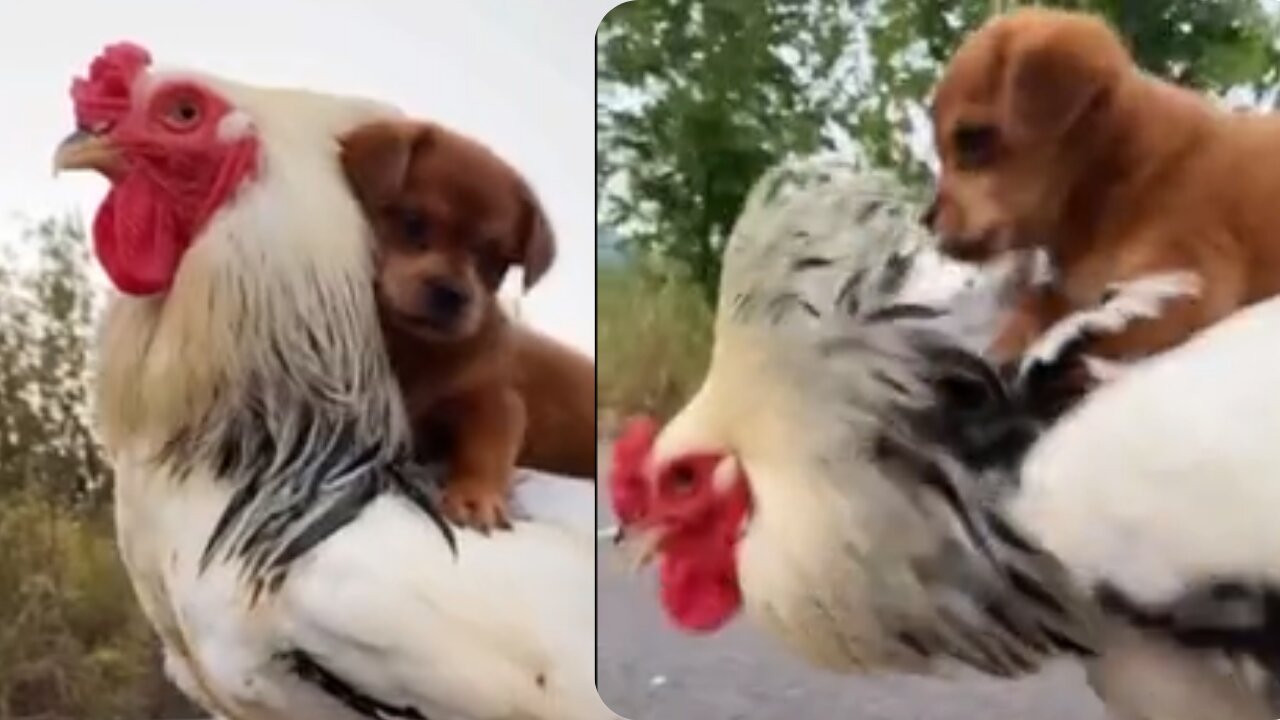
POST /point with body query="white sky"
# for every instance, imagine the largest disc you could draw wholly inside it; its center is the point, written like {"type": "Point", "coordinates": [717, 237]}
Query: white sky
{"type": "Point", "coordinates": [518, 74]}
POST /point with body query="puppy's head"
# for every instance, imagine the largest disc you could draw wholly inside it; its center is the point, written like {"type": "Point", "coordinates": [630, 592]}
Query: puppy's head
{"type": "Point", "coordinates": [450, 218]}
{"type": "Point", "coordinates": [1013, 117]}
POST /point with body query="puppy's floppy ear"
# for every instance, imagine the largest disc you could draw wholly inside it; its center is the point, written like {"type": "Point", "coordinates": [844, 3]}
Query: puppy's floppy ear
{"type": "Point", "coordinates": [1054, 77]}
{"type": "Point", "coordinates": [376, 158]}
{"type": "Point", "coordinates": [536, 244]}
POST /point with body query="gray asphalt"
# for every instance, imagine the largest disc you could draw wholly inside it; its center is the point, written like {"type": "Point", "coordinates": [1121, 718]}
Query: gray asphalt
{"type": "Point", "coordinates": [649, 671]}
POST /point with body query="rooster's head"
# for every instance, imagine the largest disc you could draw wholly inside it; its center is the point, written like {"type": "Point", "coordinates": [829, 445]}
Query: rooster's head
{"type": "Point", "coordinates": [174, 149]}
{"type": "Point", "coordinates": [685, 504]}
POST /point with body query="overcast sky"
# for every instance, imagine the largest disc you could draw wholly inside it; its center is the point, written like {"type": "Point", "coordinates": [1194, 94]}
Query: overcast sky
{"type": "Point", "coordinates": [518, 74]}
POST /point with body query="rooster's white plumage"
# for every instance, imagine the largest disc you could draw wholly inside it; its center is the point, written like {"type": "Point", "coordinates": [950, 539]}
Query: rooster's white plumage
{"type": "Point", "coordinates": [291, 559]}
{"type": "Point", "coordinates": [857, 477]}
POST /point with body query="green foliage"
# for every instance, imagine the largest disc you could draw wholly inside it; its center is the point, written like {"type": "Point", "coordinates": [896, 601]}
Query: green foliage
{"type": "Point", "coordinates": [73, 643]}
{"type": "Point", "coordinates": [654, 339]}
{"type": "Point", "coordinates": [45, 441]}
{"type": "Point", "coordinates": [1212, 45]}
{"type": "Point", "coordinates": [697, 97]}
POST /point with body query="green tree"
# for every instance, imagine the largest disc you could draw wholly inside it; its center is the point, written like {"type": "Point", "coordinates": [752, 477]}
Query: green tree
{"type": "Point", "coordinates": [45, 438]}
{"type": "Point", "coordinates": [72, 640]}
{"type": "Point", "coordinates": [696, 98]}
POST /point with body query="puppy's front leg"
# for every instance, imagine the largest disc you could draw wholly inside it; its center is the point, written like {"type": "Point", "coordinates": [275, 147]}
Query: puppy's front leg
{"type": "Point", "coordinates": [490, 427]}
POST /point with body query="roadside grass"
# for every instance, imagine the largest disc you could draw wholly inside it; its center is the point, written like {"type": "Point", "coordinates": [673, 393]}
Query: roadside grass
{"type": "Point", "coordinates": [653, 333]}
{"type": "Point", "coordinates": [73, 643]}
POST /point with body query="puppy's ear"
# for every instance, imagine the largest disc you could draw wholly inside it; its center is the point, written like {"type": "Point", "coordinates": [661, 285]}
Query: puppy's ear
{"type": "Point", "coordinates": [537, 244]}
{"type": "Point", "coordinates": [1055, 78]}
{"type": "Point", "coordinates": [376, 159]}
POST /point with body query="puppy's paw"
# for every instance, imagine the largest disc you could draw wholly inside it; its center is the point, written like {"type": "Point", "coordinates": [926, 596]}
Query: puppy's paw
{"type": "Point", "coordinates": [1122, 303]}
{"type": "Point", "coordinates": [477, 505]}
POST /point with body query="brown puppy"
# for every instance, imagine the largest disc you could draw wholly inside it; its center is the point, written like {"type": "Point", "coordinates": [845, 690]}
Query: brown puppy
{"type": "Point", "coordinates": [558, 386]}
{"type": "Point", "coordinates": [450, 218]}
{"type": "Point", "coordinates": [1050, 136]}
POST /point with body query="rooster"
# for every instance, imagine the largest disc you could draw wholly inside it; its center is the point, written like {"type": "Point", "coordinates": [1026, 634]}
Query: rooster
{"type": "Point", "coordinates": [857, 477]}
{"type": "Point", "coordinates": [293, 561]}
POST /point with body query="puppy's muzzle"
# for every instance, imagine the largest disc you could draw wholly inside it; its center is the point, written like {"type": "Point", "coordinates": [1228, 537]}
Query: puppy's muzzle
{"type": "Point", "coordinates": [443, 303]}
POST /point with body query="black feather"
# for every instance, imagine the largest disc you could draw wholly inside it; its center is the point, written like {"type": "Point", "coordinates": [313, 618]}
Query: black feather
{"type": "Point", "coordinates": [916, 645]}
{"type": "Point", "coordinates": [308, 669]}
{"type": "Point", "coordinates": [810, 263]}
{"type": "Point", "coordinates": [1235, 616]}
{"type": "Point", "coordinates": [867, 210]}
{"type": "Point", "coordinates": [297, 481]}
{"type": "Point", "coordinates": [847, 300]}
{"type": "Point", "coordinates": [963, 443]}
{"type": "Point", "coordinates": [904, 311]}
{"type": "Point", "coordinates": [1067, 644]}
{"type": "Point", "coordinates": [1031, 588]}
{"type": "Point", "coordinates": [975, 416]}
{"type": "Point", "coordinates": [895, 274]}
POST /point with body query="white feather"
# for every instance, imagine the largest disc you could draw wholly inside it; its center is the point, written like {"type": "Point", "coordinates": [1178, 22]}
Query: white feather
{"type": "Point", "coordinates": [506, 630]}
{"type": "Point", "coordinates": [1163, 478]}
{"type": "Point", "coordinates": [1143, 298]}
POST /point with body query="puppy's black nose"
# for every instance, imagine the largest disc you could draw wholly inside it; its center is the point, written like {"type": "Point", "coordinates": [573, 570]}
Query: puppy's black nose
{"type": "Point", "coordinates": [445, 301]}
{"type": "Point", "coordinates": [929, 215]}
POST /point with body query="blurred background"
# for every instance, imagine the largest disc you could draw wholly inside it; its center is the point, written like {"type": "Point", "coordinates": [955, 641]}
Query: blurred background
{"type": "Point", "coordinates": [694, 99]}
{"type": "Point", "coordinates": [516, 75]}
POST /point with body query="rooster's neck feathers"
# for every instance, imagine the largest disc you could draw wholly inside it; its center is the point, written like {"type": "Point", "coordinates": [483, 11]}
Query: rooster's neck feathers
{"type": "Point", "coordinates": [806, 222]}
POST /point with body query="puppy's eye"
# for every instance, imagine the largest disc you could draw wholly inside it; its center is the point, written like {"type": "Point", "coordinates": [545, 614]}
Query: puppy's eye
{"type": "Point", "coordinates": [414, 226]}
{"type": "Point", "coordinates": [975, 145]}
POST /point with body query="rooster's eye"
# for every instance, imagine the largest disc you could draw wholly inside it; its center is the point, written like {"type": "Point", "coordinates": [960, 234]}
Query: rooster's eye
{"type": "Point", "coordinates": [183, 113]}
{"type": "Point", "coordinates": [682, 479]}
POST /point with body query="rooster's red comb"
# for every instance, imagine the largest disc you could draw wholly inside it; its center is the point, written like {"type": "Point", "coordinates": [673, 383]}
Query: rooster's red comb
{"type": "Point", "coordinates": [103, 97]}
{"type": "Point", "coordinates": [629, 491]}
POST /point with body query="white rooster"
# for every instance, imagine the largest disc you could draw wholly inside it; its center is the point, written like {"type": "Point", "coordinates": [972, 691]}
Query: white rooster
{"type": "Point", "coordinates": [290, 557]}
{"type": "Point", "coordinates": [855, 475]}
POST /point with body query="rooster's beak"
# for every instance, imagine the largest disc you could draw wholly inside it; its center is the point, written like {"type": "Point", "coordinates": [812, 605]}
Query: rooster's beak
{"type": "Point", "coordinates": [85, 150]}
{"type": "Point", "coordinates": [637, 546]}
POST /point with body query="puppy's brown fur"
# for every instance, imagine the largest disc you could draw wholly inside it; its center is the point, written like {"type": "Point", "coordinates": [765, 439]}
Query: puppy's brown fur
{"type": "Point", "coordinates": [450, 218]}
{"type": "Point", "coordinates": [1050, 136]}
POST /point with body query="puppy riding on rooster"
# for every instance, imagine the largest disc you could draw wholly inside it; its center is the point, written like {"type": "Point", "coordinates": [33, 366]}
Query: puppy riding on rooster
{"type": "Point", "coordinates": [292, 558]}
{"type": "Point", "coordinates": [863, 480]}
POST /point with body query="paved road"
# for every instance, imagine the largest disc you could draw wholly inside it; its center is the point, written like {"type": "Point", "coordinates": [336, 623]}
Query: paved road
{"type": "Point", "coordinates": [647, 671]}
